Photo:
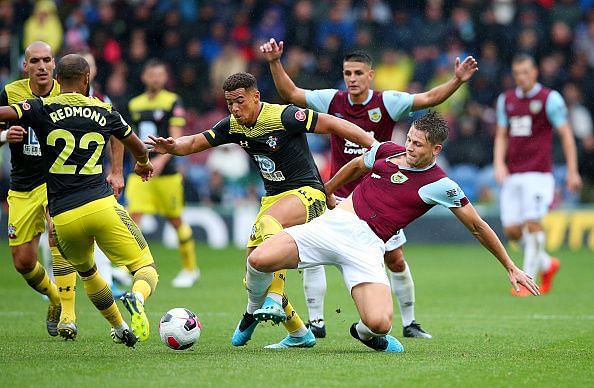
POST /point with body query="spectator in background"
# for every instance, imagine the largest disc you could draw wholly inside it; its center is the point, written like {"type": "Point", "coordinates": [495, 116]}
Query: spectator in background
{"type": "Point", "coordinates": [338, 25]}
{"type": "Point", "coordinates": [302, 27]}
{"type": "Point", "coordinates": [44, 25]}
{"type": "Point", "coordinates": [228, 62]}
{"type": "Point", "coordinates": [394, 71]}
{"type": "Point", "coordinates": [399, 34]}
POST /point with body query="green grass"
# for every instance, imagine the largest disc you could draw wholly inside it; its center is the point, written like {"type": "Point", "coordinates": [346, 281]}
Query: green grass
{"type": "Point", "coordinates": [482, 335]}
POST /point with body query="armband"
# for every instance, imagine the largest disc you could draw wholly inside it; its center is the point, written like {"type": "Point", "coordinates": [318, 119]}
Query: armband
{"type": "Point", "coordinates": [143, 164]}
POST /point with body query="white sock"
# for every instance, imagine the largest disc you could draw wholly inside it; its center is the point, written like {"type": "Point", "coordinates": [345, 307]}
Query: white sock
{"type": "Point", "coordinates": [544, 257]}
{"type": "Point", "coordinates": [46, 255]}
{"type": "Point", "coordinates": [403, 288]}
{"type": "Point", "coordinates": [314, 287]}
{"type": "Point", "coordinates": [276, 297]}
{"type": "Point", "coordinates": [364, 332]}
{"type": "Point", "coordinates": [120, 329]}
{"type": "Point", "coordinates": [531, 259]}
{"type": "Point", "coordinates": [103, 265]}
{"type": "Point", "coordinates": [257, 283]}
{"type": "Point", "coordinates": [140, 297]}
{"type": "Point", "coordinates": [299, 332]}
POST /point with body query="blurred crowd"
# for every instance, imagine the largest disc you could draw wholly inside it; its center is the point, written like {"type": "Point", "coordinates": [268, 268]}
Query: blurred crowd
{"type": "Point", "coordinates": [414, 45]}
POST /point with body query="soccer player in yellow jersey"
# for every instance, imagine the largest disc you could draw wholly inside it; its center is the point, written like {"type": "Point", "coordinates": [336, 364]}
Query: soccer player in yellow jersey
{"type": "Point", "coordinates": [72, 130]}
{"type": "Point", "coordinates": [159, 112]}
{"type": "Point", "coordinates": [275, 138]}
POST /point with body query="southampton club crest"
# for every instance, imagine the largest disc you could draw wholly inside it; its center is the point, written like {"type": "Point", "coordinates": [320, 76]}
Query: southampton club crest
{"type": "Point", "coordinates": [375, 115]}
{"type": "Point", "coordinates": [12, 231]}
{"type": "Point", "coordinates": [398, 178]}
{"type": "Point", "coordinates": [535, 106]}
{"type": "Point", "coordinates": [272, 142]}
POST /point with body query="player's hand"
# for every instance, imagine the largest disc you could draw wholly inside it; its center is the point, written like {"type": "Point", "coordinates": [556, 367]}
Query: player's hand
{"type": "Point", "coordinates": [116, 180]}
{"type": "Point", "coordinates": [271, 50]}
{"type": "Point", "coordinates": [145, 172]}
{"type": "Point", "coordinates": [465, 70]}
{"type": "Point", "coordinates": [501, 173]}
{"type": "Point", "coordinates": [331, 201]}
{"type": "Point", "coordinates": [517, 277]}
{"type": "Point", "coordinates": [574, 181]}
{"type": "Point", "coordinates": [15, 134]}
{"type": "Point", "coordinates": [160, 145]}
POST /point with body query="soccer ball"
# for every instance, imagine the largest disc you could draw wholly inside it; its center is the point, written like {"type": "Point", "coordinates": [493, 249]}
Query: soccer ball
{"type": "Point", "coordinates": [179, 328]}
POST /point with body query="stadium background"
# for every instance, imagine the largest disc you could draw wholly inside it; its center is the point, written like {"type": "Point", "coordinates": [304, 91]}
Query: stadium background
{"type": "Point", "coordinates": [413, 43]}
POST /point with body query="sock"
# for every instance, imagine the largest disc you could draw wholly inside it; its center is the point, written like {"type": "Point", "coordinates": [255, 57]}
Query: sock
{"type": "Point", "coordinates": [364, 332]}
{"type": "Point", "coordinates": [531, 260]}
{"type": "Point", "coordinates": [100, 295]}
{"type": "Point", "coordinates": [187, 247]}
{"type": "Point", "coordinates": [294, 324]}
{"type": "Point", "coordinates": [256, 283]}
{"type": "Point", "coordinates": [403, 288]}
{"type": "Point", "coordinates": [103, 265]}
{"type": "Point", "coordinates": [39, 280]}
{"type": "Point", "coordinates": [120, 328]}
{"type": "Point", "coordinates": [314, 287]}
{"type": "Point", "coordinates": [46, 255]}
{"type": "Point", "coordinates": [277, 287]}
{"type": "Point", "coordinates": [65, 278]}
{"type": "Point", "coordinates": [544, 258]}
{"type": "Point", "coordinates": [145, 281]}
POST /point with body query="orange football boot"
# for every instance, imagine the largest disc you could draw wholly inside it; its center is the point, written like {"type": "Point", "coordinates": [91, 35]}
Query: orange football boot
{"type": "Point", "coordinates": [547, 277]}
{"type": "Point", "coordinates": [522, 293]}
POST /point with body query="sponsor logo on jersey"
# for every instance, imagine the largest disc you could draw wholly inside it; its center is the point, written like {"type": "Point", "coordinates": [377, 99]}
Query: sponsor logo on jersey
{"type": "Point", "coordinates": [452, 192]}
{"type": "Point", "coordinates": [12, 231]}
{"type": "Point", "coordinates": [158, 114]}
{"type": "Point", "coordinates": [374, 175]}
{"type": "Point", "coordinates": [535, 106]}
{"type": "Point", "coordinates": [398, 178]}
{"type": "Point", "coordinates": [375, 115]}
{"type": "Point", "coordinates": [243, 143]}
{"type": "Point", "coordinates": [272, 142]}
{"type": "Point", "coordinates": [300, 115]}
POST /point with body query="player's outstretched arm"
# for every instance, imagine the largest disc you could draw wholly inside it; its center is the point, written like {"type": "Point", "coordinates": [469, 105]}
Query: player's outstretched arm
{"type": "Point", "coordinates": [351, 171]}
{"type": "Point", "coordinates": [499, 151]}
{"type": "Point", "coordinates": [272, 52]}
{"type": "Point", "coordinates": [331, 124]}
{"type": "Point", "coordinates": [463, 71]}
{"type": "Point", "coordinates": [181, 146]}
{"type": "Point", "coordinates": [482, 231]}
{"type": "Point", "coordinates": [143, 166]}
{"type": "Point", "coordinates": [15, 133]}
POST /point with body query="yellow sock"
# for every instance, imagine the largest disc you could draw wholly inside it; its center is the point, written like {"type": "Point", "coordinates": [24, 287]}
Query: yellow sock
{"type": "Point", "coordinates": [100, 295]}
{"type": "Point", "coordinates": [40, 282]}
{"type": "Point", "coordinates": [278, 282]}
{"type": "Point", "coordinates": [187, 247]}
{"type": "Point", "coordinates": [294, 321]}
{"type": "Point", "coordinates": [145, 281]}
{"type": "Point", "coordinates": [65, 276]}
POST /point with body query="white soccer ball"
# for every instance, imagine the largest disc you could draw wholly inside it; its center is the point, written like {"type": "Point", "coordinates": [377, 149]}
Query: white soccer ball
{"type": "Point", "coordinates": [179, 328]}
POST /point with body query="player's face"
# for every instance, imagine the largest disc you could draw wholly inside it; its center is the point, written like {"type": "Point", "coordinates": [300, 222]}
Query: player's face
{"type": "Point", "coordinates": [419, 150]}
{"type": "Point", "coordinates": [155, 78]}
{"type": "Point", "coordinates": [39, 65]}
{"type": "Point", "coordinates": [525, 75]}
{"type": "Point", "coordinates": [357, 77]}
{"type": "Point", "coordinates": [244, 105]}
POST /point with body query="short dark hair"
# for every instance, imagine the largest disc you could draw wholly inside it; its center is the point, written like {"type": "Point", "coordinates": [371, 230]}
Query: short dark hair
{"type": "Point", "coordinates": [240, 80]}
{"type": "Point", "coordinates": [72, 67]}
{"type": "Point", "coordinates": [523, 57]}
{"type": "Point", "coordinates": [435, 127]}
{"type": "Point", "coordinates": [358, 56]}
{"type": "Point", "coordinates": [153, 62]}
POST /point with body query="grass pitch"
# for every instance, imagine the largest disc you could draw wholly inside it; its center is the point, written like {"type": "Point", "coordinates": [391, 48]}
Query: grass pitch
{"type": "Point", "coordinates": [482, 335]}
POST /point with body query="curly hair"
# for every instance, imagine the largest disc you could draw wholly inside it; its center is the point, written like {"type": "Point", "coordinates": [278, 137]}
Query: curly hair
{"type": "Point", "coordinates": [240, 80]}
{"type": "Point", "coordinates": [435, 127]}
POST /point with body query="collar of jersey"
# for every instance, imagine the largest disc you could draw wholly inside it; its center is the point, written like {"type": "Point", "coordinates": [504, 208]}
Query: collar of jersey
{"type": "Point", "coordinates": [369, 95]}
{"type": "Point", "coordinates": [531, 93]}
{"type": "Point", "coordinates": [416, 169]}
{"type": "Point", "coordinates": [54, 83]}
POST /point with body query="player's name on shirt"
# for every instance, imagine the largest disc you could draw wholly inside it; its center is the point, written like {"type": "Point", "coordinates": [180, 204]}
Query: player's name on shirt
{"type": "Point", "coordinates": [78, 111]}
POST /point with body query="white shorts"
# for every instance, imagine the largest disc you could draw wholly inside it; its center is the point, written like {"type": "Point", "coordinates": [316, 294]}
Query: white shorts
{"type": "Point", "coordinates": [526, 196]}
{"type": "Point", "coordinates": [395, 242]}
{"type": "Point", "coordinates": [342, 239]}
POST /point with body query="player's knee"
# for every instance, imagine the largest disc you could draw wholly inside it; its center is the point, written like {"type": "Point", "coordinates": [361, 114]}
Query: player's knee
{"type": "Point", "coordinates": [23, 264]}
{"type": "Point", "coordinates": [380, 324]}
{"type": "Point", "coordinates": [395, 260]}
{"type": "Point", "coordinates": [513, 233]}
{"type": "Point", "coordinates": [257, 260]}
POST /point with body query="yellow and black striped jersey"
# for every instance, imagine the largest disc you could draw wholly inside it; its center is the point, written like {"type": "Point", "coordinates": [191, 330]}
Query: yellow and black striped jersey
{"type": "Point", "coordinates": [153, 116]}
{"type": "Point", "coordinates": [72, 130]}
{"type": "Point", "coordinates": [277, 144]}
{"type": "Point", "coordinates": [26, 163]}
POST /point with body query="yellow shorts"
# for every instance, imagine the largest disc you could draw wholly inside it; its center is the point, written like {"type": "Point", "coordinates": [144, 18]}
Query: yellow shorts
{"type": "Point", "coordinates": [314, 201]}
{"type": "Point", "coordinates": [163, 195]}
{"type": "Point", "coordinates": [26, 214]}
{"type": "Point", "coordinates": [107, 222]}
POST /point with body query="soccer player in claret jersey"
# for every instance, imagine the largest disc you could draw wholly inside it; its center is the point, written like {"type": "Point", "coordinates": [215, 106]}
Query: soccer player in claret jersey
{"type": "Point", "coordinates": [159, 112]}
{"type": "Point", "coordinates": [352, 236]}
{"type": "Point", "coordinates": [274, 137]}
{"type": "Point", "coordinates": [526, 118]}
{"type": "Point", "coordinates": [72, 130]}
{"type": "Point", "coordinates": [376, 112]}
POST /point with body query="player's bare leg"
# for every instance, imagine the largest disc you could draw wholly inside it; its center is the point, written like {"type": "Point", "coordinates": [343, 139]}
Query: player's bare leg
{"type": "Point", "coordinates": [546, 265]}
{"type": "Point", "coordinates": [526, 234]}
{"type": "Point", "coordinates": [374, 303]}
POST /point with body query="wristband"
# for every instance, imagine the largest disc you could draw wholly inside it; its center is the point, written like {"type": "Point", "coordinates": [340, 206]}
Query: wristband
{"type": "Point", "coordinates": [4, 136]}
{"type": "Point", "coordinates": [143, 164]}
